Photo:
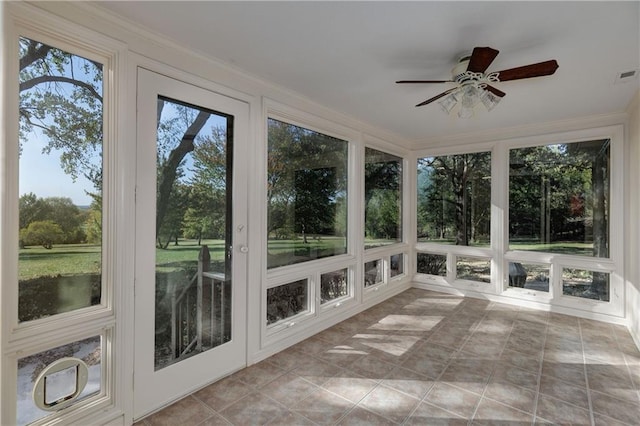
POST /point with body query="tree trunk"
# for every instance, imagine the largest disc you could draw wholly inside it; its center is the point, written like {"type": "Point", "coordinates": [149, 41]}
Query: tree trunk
{"type": "Point", "coordinates": [459, 189]}
{"type": "Point", "coordinates": [170, 168]}
{"type": "Point", "coordinates": [599, 284]}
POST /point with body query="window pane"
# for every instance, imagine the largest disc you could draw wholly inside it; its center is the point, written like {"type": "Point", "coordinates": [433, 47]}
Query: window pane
{"type": "Point", "coordinates": [432, 264]}
{"type": "Point", "coordinates": [454, 199]}
{"type": "Point", "coordinates": [397, 265]}
{"type": "Point", "coordinates": [287, 300]}
{"type": "Point", "coordinates": [373, 273]}
{"type": "Point", "coordinates": [334, 285]}
{"type": "Point", "coordinates": [473, 269]}
{"type": "Point", "coordinates": [60, 182]}
{"type": "Point", "coordinates": [29, 368]}
{"type": "Point", "coordinates": [307, 195]}
{"type": "Point", "coordinates": [586, 284]}
{"type": "Point", "coordinates": [559, 198]}
{"type": "Point", "coordinates": [382, 198]}
{"type": "Point", "coordinates": [193, 237]}
{"type": "Point", "coordinates": [529, 275]}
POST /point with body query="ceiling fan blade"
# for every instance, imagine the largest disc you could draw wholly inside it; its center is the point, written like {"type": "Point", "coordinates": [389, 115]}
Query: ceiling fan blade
{"type": "Point", "coordinates": [497, 92]}
{"type": "Point", "coordinates": [435, 98]}
{"type": "Point", "coordinates": [424, 81]}
{"type": "Point", "coordinates": [528, 71]}
{"type": "Point", "coordinates": [481, 58]}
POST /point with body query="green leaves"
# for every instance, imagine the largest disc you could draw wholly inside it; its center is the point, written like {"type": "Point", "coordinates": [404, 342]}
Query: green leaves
{"type": "Point", "coordinates": [61, 99]}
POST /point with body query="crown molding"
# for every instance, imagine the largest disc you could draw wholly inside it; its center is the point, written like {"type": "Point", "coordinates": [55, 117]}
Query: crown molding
{"type": "Point", "coordinates": [537, 129]}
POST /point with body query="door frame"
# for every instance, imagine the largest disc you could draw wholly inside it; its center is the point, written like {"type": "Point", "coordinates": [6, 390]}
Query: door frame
{"type": "Point", "coordinates": [154, 389]}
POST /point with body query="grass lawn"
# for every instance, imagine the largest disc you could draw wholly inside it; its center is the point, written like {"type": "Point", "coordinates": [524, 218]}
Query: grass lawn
{"type": "Point", "coordinates": [64, 259]}
{"type": "Point", "coordinates": [80, 259]}
{"type": "Point", "coordinates": [564, 247]}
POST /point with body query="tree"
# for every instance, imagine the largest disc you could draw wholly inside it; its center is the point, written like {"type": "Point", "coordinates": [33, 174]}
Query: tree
{"type": "Point", "coordinates": [31, 208]}
{"type": "Point", "coordinates": [59, 210]}
{"type": "Point", "coordinates": [208, 199]}
{"type": "Point", "coordinates": [458, 192]}
{"type": "Point", "coordinates": [61, 97]}
{"type": "Point", "coordinates": [383, 184]}
{"type": "Point", "coordinates": [174, 144]}
{"type": "Point", "coordinates": [45, 233]}
{"type": "Point", "coordinates": [307, 179]}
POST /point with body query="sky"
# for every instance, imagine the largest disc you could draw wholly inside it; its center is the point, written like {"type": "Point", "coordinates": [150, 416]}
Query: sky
{"type": "Point", "coordinates": [41, 174]}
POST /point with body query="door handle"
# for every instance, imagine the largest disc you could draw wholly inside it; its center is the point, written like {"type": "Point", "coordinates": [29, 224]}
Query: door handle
{"type": "Point", "coordinates": [244, 249]}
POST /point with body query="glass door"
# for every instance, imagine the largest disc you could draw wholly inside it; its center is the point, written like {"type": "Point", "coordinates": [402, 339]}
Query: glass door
{"type": "Point", "coordinates": [190, 293]}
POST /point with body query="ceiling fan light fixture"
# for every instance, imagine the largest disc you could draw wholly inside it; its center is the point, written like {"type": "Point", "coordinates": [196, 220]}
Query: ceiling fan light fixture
{"type": "Point", "coordinates": [465, 111]}
{"type": "Point", "coordinates": [489, 100]}
{"type": "Point", "coordinates": [448, 102]}
{"type": "Point", "coordinates": [470, 97]}
{"type": "Point", "coordinates": [474, 84]}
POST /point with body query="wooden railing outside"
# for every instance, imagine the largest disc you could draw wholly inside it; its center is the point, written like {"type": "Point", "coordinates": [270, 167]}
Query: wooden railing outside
{"type": "Point", "coordinates": [194, 326]}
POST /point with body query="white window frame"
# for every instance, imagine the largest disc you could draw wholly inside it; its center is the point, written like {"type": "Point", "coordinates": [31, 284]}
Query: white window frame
{"type": "Point", "coordinates": [311, 270]}
{"type": "Point", "coordinates": [401, 247]}
{"type": "Point", "coordinates": [31, 337]}
{"type": "Point", "coordinates": [499, 250]}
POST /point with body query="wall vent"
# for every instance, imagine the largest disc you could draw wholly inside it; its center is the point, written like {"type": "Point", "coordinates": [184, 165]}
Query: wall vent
{"type": "Point", "coordinates": [626, 76]}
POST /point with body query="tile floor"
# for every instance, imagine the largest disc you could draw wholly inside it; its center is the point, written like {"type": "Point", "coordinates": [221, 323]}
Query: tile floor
{"type": "Point", "coordinates": [426, 358]}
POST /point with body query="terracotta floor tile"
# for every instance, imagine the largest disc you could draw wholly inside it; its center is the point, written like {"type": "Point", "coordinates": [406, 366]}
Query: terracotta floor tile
{"type": "Point", "coordinates": [429, 414]}
{"type": "Point", "coordinates": [352, 387]}
{"type": "Point", "coordinates": [492, 412]}
{"type": "Point", "coordinates": [259, 374]}
{"type": "Point", "coordinates": [223, 393]}
{"type": "Point", "coordinates": [514, 396]}
{"type": "Point", "coordinates": [453, 399]}
{"type": "Point", "coordinates": [425, 358]}
{"type": "Point", "coordinates": [185, 412]}
{"type": "Point", "coordinates": [389, 403]}
{"type": "Point", "coordinates": [565, 391]}
{"type": "Point", "coordinates": [288, 389]}
{"type": "Point", "coordinates": [316, 370]}
{"type": "Point", "coordinates": [409, 382]}
{"type": "Point", "coordinates": [560, 412]}
{"type": "Point", "coordinates": [291, 419]}
{"type": "Point", "coordinates": [323, 407]}
{"type": "Point", "coordinates": [361, 417]}
{"type": "Point", "coordinates": [253, 409]}
{"type": "Point", "coordinates": [615, 408]}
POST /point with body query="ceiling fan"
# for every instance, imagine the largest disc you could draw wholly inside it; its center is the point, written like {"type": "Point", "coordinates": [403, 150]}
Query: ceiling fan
{"type": "Point", "coordinates": [474, 84]}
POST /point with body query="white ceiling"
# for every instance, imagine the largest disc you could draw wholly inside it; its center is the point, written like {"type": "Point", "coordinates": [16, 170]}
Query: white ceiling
{"type": "Point", "coordinates": [348, 55]}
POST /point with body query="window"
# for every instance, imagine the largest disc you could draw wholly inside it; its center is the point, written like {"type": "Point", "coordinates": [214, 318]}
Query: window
{"type": "Point", "coordinates": [454, 199]}
{"type": "Point", "coordinates": [30, 367]}
{"type": "Point", "coordinates": [334, 285]}
{"type": "Point", "coordinates": [432, 264]}
{"type": "Point", "coordinates": [530, 276]}
{"type": "Point", "coordinates": [396, 265]}
{"type": "Point", "coordinates": [60, 182]}
{"type": "Point", "coordinates": [287, 300]}
{"type": "Point", "coordinates": [373, 273]}
{"type": "Point", "coordinates": [585, 284]}
{"type": "Point", "coordinates": [559, 198]}
{"type": "Point", "coordinates": [193, 239]}
{"type": "Point", "coordinates": [306, 195]}
{"type": "Point", "coordinates": [382, 198]}
{"type": "Point", "coordinates": [62, 278]}
{"type": "Point", "coordinates": [473, 269]}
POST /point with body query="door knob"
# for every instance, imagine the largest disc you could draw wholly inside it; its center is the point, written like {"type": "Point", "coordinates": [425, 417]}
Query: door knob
{"type": "Point", "coordinates": [244, 249]}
